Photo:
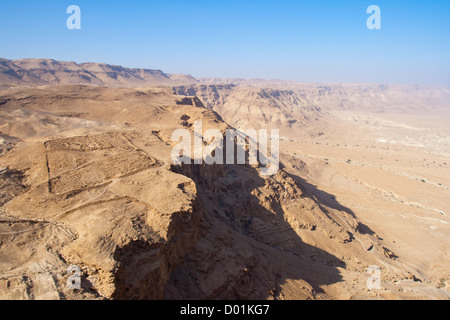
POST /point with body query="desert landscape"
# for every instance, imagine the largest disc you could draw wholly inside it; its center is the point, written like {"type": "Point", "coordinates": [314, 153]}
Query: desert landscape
{"type": "Point", "coordinates": [86, 179]}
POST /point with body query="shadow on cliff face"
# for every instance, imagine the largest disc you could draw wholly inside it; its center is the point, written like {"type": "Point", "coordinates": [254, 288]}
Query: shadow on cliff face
{"type": "Point", "coordinates": [141, 272]}
{"type": "Point", "coordinates": [11, 184]}
{"type": "Point", "coordinates": [323, 197]}
{"type": "Point", "coordinates": [246, 250]}
{"type": "Point", "coordinates": [144, 265]}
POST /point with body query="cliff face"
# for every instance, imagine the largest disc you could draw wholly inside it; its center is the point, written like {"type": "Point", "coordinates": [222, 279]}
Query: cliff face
{"type": "Point", "coordinates": [265, 238]}
{"type": "Point", "coordinates": [103, 210]}
{"type": "Point", "coordinates": [250, 107]}
{"type": "Point", "coordinates": [78, 191]}
{"type": "Point", "coordinates": [310, 107]}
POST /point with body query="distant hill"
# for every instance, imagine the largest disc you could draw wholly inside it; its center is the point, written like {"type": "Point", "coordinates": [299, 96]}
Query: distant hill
{"type": "Point", "coordinates": [257, 103]}
{"type": "Point", "coordinates": [35, 72]}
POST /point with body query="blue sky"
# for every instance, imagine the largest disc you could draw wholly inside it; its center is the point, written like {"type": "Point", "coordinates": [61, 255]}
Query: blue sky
{"type": "Point", "coordinates": [315, 40]}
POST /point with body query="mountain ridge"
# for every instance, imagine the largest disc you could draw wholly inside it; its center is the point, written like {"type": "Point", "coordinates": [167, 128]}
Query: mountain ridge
{"type": "Point", "coordinates": [53, 72]}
